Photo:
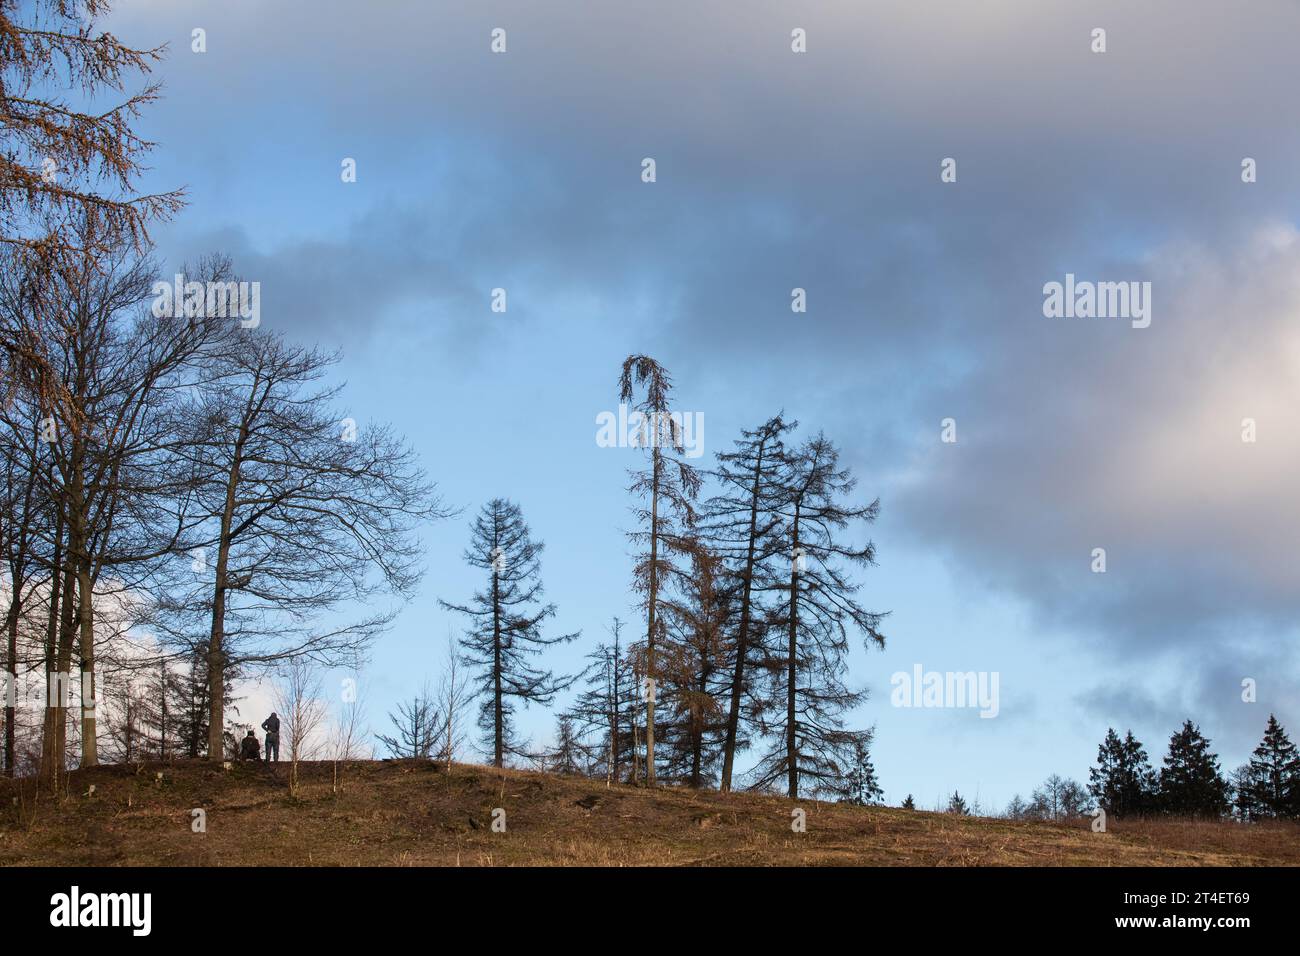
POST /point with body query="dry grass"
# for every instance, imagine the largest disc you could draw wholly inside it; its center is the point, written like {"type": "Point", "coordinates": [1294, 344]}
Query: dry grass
{"type": "Point", "coordinates": [415, 814]}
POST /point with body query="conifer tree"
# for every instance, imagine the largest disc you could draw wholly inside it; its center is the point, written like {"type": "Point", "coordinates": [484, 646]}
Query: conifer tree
{"type": "Point", "coordinates": [1123, 781]}
{"type": "Point", "coordinates": [607, 709]}
{"type": "Point", "coordinates": [505, 624]}
{"type": "Point", "coordinates": [693, 671]}
{"type": "Point", "coordinates": [1190, 782]}
{"type": "Point", "coordinates": [808, 695]}
{"type": "Point", "coordinates": [909, 803]}
{"type": "Point", "coordinates": [862, 786]}
{"type": "Point", "coordinates": [1272, 784]}
{"type": "Point", "coordinates": [666, 520]}
{"type": "Point", "coordinates": [743, 526]}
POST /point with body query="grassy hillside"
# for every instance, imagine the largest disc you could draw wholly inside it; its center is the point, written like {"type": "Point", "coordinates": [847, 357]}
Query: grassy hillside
{"type": "Point", "coordinates": [415, 814]}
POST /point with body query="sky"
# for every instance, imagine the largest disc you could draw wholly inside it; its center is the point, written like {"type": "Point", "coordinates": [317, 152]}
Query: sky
{"type": "Point", "coordinates": [818, 170]}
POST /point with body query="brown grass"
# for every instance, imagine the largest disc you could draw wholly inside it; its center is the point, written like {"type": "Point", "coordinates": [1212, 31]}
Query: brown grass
{"type": "Point", "coordinates": [415, 814]}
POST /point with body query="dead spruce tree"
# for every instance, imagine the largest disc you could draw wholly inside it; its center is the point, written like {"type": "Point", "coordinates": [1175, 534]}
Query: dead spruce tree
{"type": "Point", "coordinates": [305, 513]}
{"type": "Point", "coordinates": [808, 695]}
{"type": "Point", "coordinates": [504, 632]}
{"type": "Point", "coordinates": [665, 521]}
{"type": "Point", "coordinates": [743, 526]}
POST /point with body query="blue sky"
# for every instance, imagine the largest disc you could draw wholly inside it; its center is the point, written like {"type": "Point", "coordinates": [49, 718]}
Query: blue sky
{"type": "Point", "coordinates": [819, 170]}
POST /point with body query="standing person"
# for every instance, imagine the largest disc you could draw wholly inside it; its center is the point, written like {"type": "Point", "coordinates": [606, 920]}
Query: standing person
{"type": "Point", "coordinates": [272, 727]}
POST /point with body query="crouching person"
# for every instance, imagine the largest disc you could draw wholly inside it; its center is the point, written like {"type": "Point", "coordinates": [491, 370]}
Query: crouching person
{"type": "Point", "coordinates": [250, 749]}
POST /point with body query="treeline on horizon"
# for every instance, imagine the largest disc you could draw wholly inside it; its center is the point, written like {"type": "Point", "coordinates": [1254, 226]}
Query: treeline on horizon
{"type": "Point", "coordinates": [1190, 783]}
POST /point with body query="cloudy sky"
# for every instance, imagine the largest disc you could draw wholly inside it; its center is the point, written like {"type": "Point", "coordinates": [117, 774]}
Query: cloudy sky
{"type": "Point", "coordinates": [818, 170]}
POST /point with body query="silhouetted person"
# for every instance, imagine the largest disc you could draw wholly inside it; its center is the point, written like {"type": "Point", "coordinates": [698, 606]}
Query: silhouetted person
{"type": "Point", "coordinates": [272, 727]}
{"type": "Point", "coordinates": [250, 749]}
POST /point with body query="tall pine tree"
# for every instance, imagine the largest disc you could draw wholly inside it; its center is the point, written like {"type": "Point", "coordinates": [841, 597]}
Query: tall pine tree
{"type": "Point", "coordinates": [1272, 780]}
{"type": "Point", "coordinates": [1123, 781]}
{"type": "Point", "coordinates": [1190, 782]}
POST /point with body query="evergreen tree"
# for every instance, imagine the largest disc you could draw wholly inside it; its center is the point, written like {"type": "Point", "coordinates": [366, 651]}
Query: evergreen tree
{"type": "Point", "coordinates": [505, 624]}
{"type": "Point", "coordinates": [1190, 782]}
{"type": "Point", "coordinates": [861, 786]}
{"type": "Point", "coordinates": [957, 805]}
{"type": "Point", "coordinates": [909, 803]}
{"type": "Point", "coordinates": [1123, 781]}
{"type": "Point", "coordinates": [1272, 783]}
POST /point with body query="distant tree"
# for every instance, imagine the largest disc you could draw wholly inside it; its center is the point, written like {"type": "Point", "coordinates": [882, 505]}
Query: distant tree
{"type": "Point", "coordinates": [861, 785]}
{"type": "Point", "coordinates": [744, 528]}
{"type": "Point", "coordinates": [665, 522]}
{"type": "Point", "coordinates": [416, 725]}
{"type": "Point", "coordinates": [1059, 798]}
{"type": "Point", "coordinates": [957, 805]}
{"type": "Point", "coordinates": [568, 755]}
{"type": "Point", "coordinates": [607, 708]}
{"type": "Point", "coordinates": [1017, 809]}
{"type": "Point", "coordinates": [909, 803]}
{"type": "Point", "coordinates": [1123, 781]}
{"type": "Point", "coordinates": [808, 692]}
{"type": "Point", "coordinates": [455, 693]}
{"type": "Point", "coordinates": [505, 624]}
{"type": "Point", "coordinates": [1190, 782]}
{"type": "Point", "coordinates": [302, 713]}
{"type": "Point", "coordinates": [1271, 787]}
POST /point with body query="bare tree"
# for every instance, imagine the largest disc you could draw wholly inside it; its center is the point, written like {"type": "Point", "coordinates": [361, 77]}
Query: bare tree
{"type": "Point", "coordinates": [306, 511]}
{"type": "Point", "coordinates": [107, 437]}
{"type": "Point", "coordinates": [302, 712]}
{"type": "Point", "coordinates": [454, 695]}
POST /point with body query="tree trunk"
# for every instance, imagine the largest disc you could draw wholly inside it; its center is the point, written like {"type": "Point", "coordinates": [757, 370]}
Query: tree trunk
{"type": "Point", "coordinates": [11, 628]}
{"type": "Point", "coordinates": [45, 771]}
{"type": "Point", "coordinates": [498, 758]}
{"type": "Point", "coordinates": [54, 741]}
{"type": "Point", "coordinates": [742, 637]}
{"type": "Point", "coordinates": [89, 692]}
{"type": "Point", "coordinates": [217, 634]}
{"type": "Point", "coordinates": [791, 741]}
{"type": "Point", "coordinates": [650, 633]}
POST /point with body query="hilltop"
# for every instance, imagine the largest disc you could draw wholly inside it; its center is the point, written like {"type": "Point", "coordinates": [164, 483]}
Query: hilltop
{"type": "Point", "coordinates": [409, 813]}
